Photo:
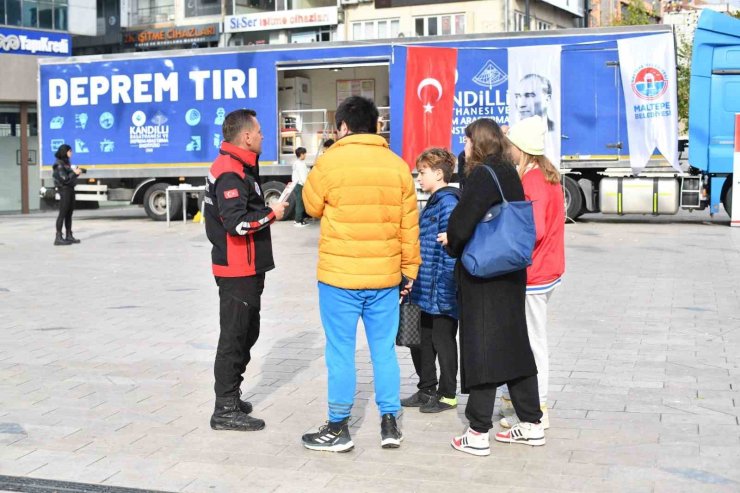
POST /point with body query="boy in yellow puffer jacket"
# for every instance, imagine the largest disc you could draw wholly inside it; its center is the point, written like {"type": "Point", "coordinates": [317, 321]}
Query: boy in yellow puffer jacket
{"type": "Point", "coordinates": [366, 199]}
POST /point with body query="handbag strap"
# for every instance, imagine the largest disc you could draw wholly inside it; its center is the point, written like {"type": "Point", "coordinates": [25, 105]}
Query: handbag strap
{"type": "Point", "coordinates": [495, 178]}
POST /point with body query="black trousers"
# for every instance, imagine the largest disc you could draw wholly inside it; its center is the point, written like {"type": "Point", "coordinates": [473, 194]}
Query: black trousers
{"type": "Point", "coordinates": [437, 342]}
{"type": "Point", "coordinates": [300, 210]}
{"type": "Point", "coordinates": [524, 396]}
{"type": "Point", "coordinates": [240, 328]}
{"type": "Point", "coordinates": [66, 208]}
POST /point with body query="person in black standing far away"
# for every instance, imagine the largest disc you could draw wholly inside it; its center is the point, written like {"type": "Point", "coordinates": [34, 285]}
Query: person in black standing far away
{"type": "Point", "coordinates": [238, 227]}
{"type": "Point", "coordinates": [65, 179]}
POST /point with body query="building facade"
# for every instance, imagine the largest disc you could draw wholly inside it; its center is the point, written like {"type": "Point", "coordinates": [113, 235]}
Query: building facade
{"type": "Point", "coordinates": [30, 29]}
{"type": "Point", "coordinates": [413, 18]}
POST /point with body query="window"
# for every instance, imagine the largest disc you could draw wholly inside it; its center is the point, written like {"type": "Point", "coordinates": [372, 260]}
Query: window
{"type": "Point", "coordinates": [46, 15]}
{"type": "Point", "coordinates": [195, 8]}
{"type": "Point", "coordinates": [543, 26]}
{"type": "Point", "coordinates": [60, 17]}
{"type": "Point", "coordinates": [254, 6]}
{"type": "Point", "coordinates": [30, 14]}
{"type": "Point", "coordinates": [43, 14]}
{"type": "Point", "coordinates": [436, 25]}
{"type": "Point", "coordinates": [311, 35]}
{"type": "Point", "coordinates": [13, 13]}
{"type": "Point", "coordinates": [151, 11]}
{"type": "Point", "coordinates": [519, 21]}
{"type": "Point", "coordinates": [375, 29]}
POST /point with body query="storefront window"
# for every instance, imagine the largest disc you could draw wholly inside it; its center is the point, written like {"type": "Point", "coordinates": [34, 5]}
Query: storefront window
{"type": "Point", "coordinates": [311, 35]}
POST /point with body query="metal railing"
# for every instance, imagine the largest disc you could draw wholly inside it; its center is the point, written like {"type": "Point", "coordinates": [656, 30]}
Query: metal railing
{"type": "Point", "coordinates": [152, 15]}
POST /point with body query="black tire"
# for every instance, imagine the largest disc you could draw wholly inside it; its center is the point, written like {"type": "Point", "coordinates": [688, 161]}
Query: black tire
{"type": "Point", "coordinates": [271, 192]}
{"type": "Point", "coordinates": [727, 201]}
{"type": "Point", "coordinates": [155, 203]}
{"type": "Point", "coordinates": [573, 198]}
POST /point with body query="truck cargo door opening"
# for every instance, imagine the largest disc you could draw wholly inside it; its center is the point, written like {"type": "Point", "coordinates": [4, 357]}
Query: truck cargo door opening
{"type": "Point", "coordinates": [308, 96]}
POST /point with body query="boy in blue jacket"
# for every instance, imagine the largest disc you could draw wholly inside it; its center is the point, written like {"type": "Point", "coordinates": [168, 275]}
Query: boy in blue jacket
{"type": "Point", "coordinates": [434, 289]}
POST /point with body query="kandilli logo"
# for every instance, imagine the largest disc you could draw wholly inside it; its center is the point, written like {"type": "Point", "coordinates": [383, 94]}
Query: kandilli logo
{"type": "Point", "coordinates": [649, 82]}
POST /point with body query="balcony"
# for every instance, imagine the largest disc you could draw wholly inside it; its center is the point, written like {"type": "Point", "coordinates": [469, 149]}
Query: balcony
{"type": "Point", "coordinates": [152, 15]}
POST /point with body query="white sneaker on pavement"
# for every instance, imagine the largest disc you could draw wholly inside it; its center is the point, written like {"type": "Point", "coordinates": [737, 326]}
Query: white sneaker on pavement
{"type": "Point", "coordinates": [526, 433]}
{"type": "Point", "coordinates": [472, 442]}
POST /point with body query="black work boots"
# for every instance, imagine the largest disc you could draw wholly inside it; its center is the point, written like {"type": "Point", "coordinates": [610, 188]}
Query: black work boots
{"type": "Point", "coordinates": [230, 414]}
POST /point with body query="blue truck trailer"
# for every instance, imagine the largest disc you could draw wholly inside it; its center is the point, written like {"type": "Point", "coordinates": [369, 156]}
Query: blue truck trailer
{"type": "Point", "coordinates": [142, 122]}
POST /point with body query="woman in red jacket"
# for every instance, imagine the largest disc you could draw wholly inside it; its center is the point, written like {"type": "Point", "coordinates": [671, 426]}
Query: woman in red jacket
{"type": "Point", "coordinates": [541, 182]}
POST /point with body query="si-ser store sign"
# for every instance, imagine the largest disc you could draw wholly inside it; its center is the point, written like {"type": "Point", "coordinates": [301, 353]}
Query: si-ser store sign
{"type": "Point", "coordinates": [289, 19]}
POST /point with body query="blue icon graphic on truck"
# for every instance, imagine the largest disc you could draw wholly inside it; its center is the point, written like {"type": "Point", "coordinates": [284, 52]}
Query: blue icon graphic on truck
{"type": "Point", "coordinates": [107, 120]}
{"type": "Point", "coordinates": [192, 117]}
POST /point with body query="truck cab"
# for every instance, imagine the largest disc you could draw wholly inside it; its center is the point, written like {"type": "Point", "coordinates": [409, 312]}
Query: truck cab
{"type": "Point", "coordinates": [713, 102]}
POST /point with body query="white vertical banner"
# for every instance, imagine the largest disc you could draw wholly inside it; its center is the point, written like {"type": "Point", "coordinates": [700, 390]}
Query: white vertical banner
{"type": "Point", "coordinates": [648, 68]}
{"type": "Point", "coordinates": [534, 89]}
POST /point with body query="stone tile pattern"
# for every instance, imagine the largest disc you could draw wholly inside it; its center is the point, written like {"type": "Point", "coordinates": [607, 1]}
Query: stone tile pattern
{"type": "Point", "coordinates": [106, 352]}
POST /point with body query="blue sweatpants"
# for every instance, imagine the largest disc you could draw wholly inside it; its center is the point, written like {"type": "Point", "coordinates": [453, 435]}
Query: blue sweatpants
{"type": "Point", "coordinates": [340, 311]}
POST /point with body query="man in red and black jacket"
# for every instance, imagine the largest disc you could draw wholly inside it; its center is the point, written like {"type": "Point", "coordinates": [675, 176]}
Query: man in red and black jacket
{"type": "Point", "coordinates": [238, 226]}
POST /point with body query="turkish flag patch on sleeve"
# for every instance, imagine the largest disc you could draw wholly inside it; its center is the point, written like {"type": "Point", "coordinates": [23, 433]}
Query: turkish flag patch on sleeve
{"type": "Point", "coordinates": [231, 194]}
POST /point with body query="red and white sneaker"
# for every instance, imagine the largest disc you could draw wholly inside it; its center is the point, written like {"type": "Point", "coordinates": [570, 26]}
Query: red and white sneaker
{"type": "Point", "coordinates": [472, 442]}
{"type": "Point", "coordinates": [527, 433]}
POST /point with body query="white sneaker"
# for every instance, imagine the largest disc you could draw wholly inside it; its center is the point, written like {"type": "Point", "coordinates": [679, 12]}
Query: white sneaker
{"type": "Point", "coordinates": [300, 225]}
{"type": "Point", "coordinates": [472, 442]}
{"type": "Point", "coordinates": [526, 433]}
{"type": "Point", "coordinates": [509, 421]}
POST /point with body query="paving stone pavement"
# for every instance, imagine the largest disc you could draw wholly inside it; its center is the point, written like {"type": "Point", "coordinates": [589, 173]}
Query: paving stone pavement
{"type": "Point", "coordinates": [106, 352]}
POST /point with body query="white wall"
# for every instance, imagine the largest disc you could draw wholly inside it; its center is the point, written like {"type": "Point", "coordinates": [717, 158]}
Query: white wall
{"type": "Point", "coordinates": [324, 84]}
{"type": "Point", "coordinates": [82, 17]}
{"type": "Point", "coordinates": [10, 175]}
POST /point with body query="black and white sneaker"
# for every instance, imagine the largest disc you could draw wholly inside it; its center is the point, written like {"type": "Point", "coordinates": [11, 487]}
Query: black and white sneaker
{"type": "Point", "coordinates": [418, 399]}
{"type": "Point", "coordinates": [332, 437]}
{"type": "Point", "coordinates": [390, 433]}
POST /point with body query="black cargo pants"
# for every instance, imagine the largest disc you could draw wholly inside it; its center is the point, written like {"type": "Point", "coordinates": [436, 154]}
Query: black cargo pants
{"type": "Point", "coordinates": [240, 328]}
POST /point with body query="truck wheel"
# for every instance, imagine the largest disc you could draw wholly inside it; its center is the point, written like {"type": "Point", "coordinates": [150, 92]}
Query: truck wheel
{"type": "Point", "coordinates": [727, 201]}
{"type": "Point", "coordinates": [155, 203]}
{"type": "Point", "coordinates": [573, 198]}
{"type": "Point", "coordinates": [272, 190]}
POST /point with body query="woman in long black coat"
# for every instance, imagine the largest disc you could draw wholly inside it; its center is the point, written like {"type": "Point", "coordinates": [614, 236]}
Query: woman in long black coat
{"type": "Point", "coordinates": [494, 346]}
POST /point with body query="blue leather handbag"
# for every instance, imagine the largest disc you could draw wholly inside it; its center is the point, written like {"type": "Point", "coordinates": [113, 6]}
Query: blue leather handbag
{"type": "Point", "coordinates": [503, 240]}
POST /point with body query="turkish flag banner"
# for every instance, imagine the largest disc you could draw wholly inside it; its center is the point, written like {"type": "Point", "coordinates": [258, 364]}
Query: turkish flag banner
{"type": "Point", "coordinates": [428, 106]}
